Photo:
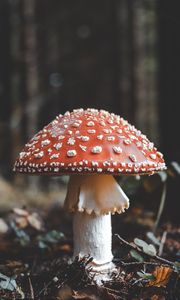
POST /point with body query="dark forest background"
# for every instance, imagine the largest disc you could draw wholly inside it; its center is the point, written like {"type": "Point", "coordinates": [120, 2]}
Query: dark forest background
{"type": "Point", "coordinates": [120, 55]}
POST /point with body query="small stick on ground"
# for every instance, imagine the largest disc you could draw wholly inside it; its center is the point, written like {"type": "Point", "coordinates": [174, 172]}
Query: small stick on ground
{"type": "Point", "coordinates": [31, 289]}
{"type": "Point", "coordinates": [161, 207]}
{"type": "Point", "coordinates": [116, 292]}
{"type": "Point", "coordinates": [163, 240]}
{"type": "Point", "coordinates": [138, 263]}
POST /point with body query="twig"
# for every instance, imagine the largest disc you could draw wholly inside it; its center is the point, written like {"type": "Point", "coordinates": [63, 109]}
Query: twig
{"type": "Point", "coordinates": [115, 292]}
{"type": "Point", "coordinates": [163, 240]}
{"type": "Point", "coordinates": [31, 289]}
{"type": "Point", "coordinates": [161, 207]}
{"type": "Point", "coordinates": [138, 263]}
{"type": "Point", "coordinates": [163, 260]}
{"type": "Point", "coordinates": [45, 287]}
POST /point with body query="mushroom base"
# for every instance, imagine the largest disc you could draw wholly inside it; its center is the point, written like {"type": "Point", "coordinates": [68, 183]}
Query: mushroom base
{"type": "Point", "coordinates": [92, 236]}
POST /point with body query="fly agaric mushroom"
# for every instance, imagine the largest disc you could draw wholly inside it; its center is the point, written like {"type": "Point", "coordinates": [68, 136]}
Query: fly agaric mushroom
{"type": "Point", "coordinates": [91, 146]}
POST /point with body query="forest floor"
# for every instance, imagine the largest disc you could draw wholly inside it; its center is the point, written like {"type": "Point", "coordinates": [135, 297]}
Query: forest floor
{"type": "Point", "coordinates": [36, 247]}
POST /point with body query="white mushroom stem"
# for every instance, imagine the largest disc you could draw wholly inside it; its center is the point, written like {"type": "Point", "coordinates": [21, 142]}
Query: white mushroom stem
{"type": "Point", "coordinates": [92, 235]}
{"type": "Point", "coordinates": [93, 198]}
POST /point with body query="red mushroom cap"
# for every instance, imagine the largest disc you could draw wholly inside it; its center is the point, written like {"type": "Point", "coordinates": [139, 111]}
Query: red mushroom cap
{"type": "Point", "coordinates": [89, 141]}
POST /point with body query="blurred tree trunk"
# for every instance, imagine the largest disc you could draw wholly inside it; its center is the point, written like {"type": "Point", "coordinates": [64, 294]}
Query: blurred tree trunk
{"type": "Point", "coordinates": [144, 23]}
{"type": "Point", "coordinates": [145, 106]}
{"type": "Point", "coordinates": [17, 127]}
{"type": "Point", "coordinates": [31, 62]}
{"type": "Point", "coordinates": [5, 97]}
{"type": "Point", "coordinates": [126, 58]}
{"type": "Point", "coordinates": [30, 52]}
{"type": "Point", "coordinates": [169, 76]}
{"type": "Point", "coordinates": [136, 21]}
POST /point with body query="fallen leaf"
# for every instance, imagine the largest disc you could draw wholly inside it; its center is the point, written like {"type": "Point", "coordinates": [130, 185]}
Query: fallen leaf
{"type": "Point", "coordinates": [136, 255]}
{"type": "Point", "coordinates": [7, 283]}
{"type": "Point", "coordinates": [35, 221]}
{"type": "Point", "coordinates": [24, 218]}
{"type": "Point", "coordinates": [14, 264]}
{"type": "Point", "coordinates": [140, 243]}
{"type": "Point", "coordinates": [147, 248]}
{"type": "Point", "coordinates": [162, 275]}
{"type": "Point", "coordinates": [145, 275]}
{"type": "Point", "coordinates": [65, 247]}
{"type": "Point", "coordinates": [20, 212]}
{"type": "Point", "coordinates": [84, 296]}
{"type": "Point", "coordinates": [177, 266]}
{"type": "Point", "coordinates": [3, 226]}
{"type": "Point", "coordinates": [65, 293]}
{"type": "Point", "coordinates": [157, 297]}
{"type": "Point", "coordinates": [151, 250]}
{"type": "Point", "coordinates": [23, 237]}
{"type": "Point", "coordinates": [51, 237]}
{"type": "Point", "coordinates": [21, 222]}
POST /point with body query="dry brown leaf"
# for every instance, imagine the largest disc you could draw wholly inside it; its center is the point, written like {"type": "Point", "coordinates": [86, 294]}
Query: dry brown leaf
{"type": "Point", "coordinates": [161, 275]}
{"type": "Point", "coordinates": [21, 222]}
{"type": "Point", "coordinates": [157, 297]}
{"type": "Point", "coordinates": [82, 295]}
{"type": "Point", "coordinates": [14, 264]}
{"type": "Point", "coordinates": [24, 218]}
{"type": "Point", "coordinates": [5, 245]}
{"type": "Point", "coordinates": [65, 293]}
{"type": "Point", "coordinates": [65, 247]}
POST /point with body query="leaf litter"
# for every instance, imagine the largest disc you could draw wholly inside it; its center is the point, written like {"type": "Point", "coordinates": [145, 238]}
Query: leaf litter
{"type": "Point", "coordinates": [35, 262]}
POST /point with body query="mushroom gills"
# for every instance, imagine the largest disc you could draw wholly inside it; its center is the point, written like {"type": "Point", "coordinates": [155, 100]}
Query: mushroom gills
{"type": "Point", "coordinates": [93, 198]}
